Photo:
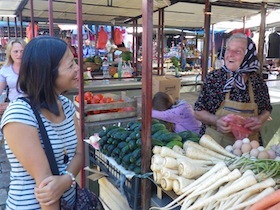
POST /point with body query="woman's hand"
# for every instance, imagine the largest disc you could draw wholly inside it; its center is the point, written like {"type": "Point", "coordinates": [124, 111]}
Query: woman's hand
{"type": "Point", "coordinates": [51, 189]}
{"type": "Point", "coordinates": [253, 123]}
{"type": "Point", "coordinates": [222, 125]}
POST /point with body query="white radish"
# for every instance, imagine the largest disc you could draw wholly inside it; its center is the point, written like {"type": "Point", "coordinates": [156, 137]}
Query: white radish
{"type": "Point", "coordinates": [186, 204]}
{"type": "Point", "coordinates": [156, 167]}
{"type": "Point", "coordinates": [269, 182]}
{"type": "Point", "coordinates": [157, 159]}
{"type": "Point", "coordinates": [243, 183]}
{"type": "Point", "coordinates": [208, 142]}
{"type": "Point", "coordinates": [196, 162]}
{"type": "Point", "coordinates": [203, 149]}
{"type": "Point", "coordinates": [167, 152]}
{"type": "Point", "coordinates": [190, 171]}
{"type": "Point", "coordinates": [170, 162]}
{"type": "Point", "coordinates": [156, 149]}
{"type": "Point", "coordinates": [179, 183]}
{"type": "Point", "coordinates": [178, 149]}
{"type": "Point", "coordinates": [235, 174]}
{"type": "Point", "coordinates": [194, 153]}
{"type": "Point", "coordinates": [250, 202]}
{"type": "Point", "coordinates": [165, 171]}
{"type": "Point", "coordinates": [157, 177]}
{"type": "Point", "coordinates": [194, 184]}
{"type": "Point", "coordinates": [169, 174]}
{"type": "Point", "coordinates": [166, 184]}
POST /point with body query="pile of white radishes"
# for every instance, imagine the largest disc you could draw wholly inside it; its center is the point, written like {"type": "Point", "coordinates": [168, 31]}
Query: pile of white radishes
{"type": "Point", "coordinates": [252, 149]}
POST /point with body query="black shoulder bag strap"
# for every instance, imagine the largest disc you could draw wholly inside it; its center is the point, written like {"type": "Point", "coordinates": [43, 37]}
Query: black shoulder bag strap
{"type": "Point", "coordinates": [46, 141]}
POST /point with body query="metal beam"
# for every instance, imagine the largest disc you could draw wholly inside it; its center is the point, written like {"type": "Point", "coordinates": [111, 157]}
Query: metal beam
{"type": "Point", "coordinates": [147, 39]}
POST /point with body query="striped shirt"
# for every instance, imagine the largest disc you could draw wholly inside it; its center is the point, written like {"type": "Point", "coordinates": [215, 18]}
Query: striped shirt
{"type": "Point", "coordinates": [62, 135]}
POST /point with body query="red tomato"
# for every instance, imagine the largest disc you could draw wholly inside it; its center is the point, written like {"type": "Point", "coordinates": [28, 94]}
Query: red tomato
{"type": "Point", "coordinates": [108, 100]}
{"type": "Point", "coordinates": [88, 95]}
{"type": "Point", "coordinates": [94, 101]}
{"type": "Point", "coordinates": [98, 97]}
{"type": "Point", "coordinates": [88, 100]}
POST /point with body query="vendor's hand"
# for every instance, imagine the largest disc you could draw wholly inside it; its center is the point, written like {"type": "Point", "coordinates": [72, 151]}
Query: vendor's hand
{"type": "Point", "coordinates": [253, 123]}
{"type": "Point", "coordinates": [222, 126]}
{"type": "Point", "coordinates": [50, 190]}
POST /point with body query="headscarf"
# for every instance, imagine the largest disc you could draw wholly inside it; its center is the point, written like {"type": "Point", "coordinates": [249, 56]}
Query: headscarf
{"type": "Point", "coordinates": [249, 64]}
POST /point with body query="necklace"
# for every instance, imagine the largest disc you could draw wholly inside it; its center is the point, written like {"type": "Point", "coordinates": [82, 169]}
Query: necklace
{"type": "Point", "coordinates": [61, 135]}
{"type": "Point", "coordinates": [66, 157]}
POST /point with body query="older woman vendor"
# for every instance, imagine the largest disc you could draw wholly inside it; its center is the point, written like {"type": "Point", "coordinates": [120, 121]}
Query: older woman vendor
{"type": "Point", "coordinates": [236, 88]}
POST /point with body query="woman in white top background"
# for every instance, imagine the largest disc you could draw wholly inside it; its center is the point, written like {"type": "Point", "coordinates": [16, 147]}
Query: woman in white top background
{"type": "Point", "coordinates": [10, 70]}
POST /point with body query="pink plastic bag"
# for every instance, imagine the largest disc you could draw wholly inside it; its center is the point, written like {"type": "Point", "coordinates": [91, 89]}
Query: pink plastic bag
{"type": "Point", "coordinates": [237, 123]}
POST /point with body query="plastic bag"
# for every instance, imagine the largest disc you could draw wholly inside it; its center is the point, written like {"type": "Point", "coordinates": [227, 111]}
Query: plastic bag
{"type": "Point", "coordinates": [237, 124]}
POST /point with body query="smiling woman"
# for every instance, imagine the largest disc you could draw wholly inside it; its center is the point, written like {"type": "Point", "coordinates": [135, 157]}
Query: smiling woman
{"type": "Point", "coordinates": [47, 70]}
{"type": "Point", "coordinates": [237, 89]}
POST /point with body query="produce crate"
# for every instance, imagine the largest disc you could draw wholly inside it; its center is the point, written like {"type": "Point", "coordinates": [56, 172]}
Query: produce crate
{"type": "Point", "coordinates": [129, 187]}
{"type": "Point", "coordinates": [129, 104]}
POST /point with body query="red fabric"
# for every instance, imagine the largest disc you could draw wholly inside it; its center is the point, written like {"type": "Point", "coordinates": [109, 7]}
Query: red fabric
{"type": "Point", "coordinates": [29, 30]}
{"type": "Point", "coordinates": [102, 38]}
{"type": "Point", "coordinates": [118, 36]}
{"type": "Point", "coordinates": [241, 30]}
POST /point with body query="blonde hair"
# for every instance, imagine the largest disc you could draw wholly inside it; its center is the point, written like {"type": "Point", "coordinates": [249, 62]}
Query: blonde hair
{"type": "Point", "coordinates": [10, 44]}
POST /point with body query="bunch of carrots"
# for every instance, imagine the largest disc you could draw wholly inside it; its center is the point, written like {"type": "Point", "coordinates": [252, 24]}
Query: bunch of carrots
{"type": "Point", "coordinates": [214, 178]}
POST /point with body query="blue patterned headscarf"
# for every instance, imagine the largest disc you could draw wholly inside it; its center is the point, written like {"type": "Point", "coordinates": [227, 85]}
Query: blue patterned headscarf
{"type": "Point", "coordinates": [249, 64]}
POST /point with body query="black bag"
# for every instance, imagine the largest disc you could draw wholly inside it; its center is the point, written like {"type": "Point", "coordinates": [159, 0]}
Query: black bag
{"type": "Point", "coordinates": [85, 199]}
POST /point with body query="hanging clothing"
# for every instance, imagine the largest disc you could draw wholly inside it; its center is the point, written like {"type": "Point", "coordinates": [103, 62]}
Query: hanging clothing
{"type": "Point", "coordinates": [102, 38]}
{"type": "Point", "coordinates": [118, 36]}
{"type": "Point", "coordinates": [274, 45]}
{"type": "Point", "coordinates": [29, 31]}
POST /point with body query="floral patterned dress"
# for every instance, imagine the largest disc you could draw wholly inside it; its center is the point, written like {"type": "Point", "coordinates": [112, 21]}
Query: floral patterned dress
{"type": "Point", "coordinates": [212, 95]}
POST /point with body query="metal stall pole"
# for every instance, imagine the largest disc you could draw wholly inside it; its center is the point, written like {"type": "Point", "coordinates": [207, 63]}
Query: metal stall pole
{"type": "Point", "coordinates": [16, 31]}
{"type": "Point", "coordinates": [51, 31]}
{"type": "Point", "coordinates": [9, 30]}
{"type": "Point", "coordinates": [21, 26]}
{"type": "Point", "coordinates": [205, 56]}
{"type": "Point", "coordinates": [213, 48]}
{"type": "Point", "coordinates": [81, 76]}
{"type": "Point", "coordinates": [32, 18]}
{"type": "Point", "coordinates": [262, 36]}
{"type": "Point", "coordinates": [147, 36]}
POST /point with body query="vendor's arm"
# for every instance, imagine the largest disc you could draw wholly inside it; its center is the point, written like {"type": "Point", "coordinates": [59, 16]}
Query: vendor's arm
{"type": "Point", "coordinates": [26, 146]}
{"type": "Point", "coordinates": [255, 123]}
{"type": "Point", "coordinates": [212, 120]}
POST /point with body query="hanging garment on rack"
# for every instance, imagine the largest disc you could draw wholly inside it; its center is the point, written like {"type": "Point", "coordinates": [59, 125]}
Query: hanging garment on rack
{"type": "Point", "coordinates": [118, 36]}
{"type": "Point", "coordinates": [102, 38]}
{"type": "Point", "coordinates": [274, 45]}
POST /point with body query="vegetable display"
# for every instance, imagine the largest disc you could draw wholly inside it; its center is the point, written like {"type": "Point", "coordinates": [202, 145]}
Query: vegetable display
{"type": "Point", "coordinates": [207, 176]}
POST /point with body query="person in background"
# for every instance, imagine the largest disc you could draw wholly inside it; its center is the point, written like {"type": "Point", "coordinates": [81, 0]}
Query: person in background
{"type": "Point", "coordinates": [236, 88]}
{"type": "Point", "coordinates": [179, 115]}
{"type": "Point", "coordinates": [71, 47]}
{"type": "Point", "coordinates": [10, 70]}
{"type": "Point", "coordinates": [47, 70]}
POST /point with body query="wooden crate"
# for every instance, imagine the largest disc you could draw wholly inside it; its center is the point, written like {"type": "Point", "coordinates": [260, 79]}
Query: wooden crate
{"type": "Point", "coordinates": [128, 102]}
{"type": "Point", "coordinates": [111, 196]}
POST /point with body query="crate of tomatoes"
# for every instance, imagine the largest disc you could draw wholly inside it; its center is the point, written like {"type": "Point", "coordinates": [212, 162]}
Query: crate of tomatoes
{"type": "Point", "coordinates": [107, 106]}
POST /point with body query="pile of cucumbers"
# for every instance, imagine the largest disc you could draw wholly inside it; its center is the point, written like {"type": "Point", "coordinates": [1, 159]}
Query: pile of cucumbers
{"type": "Point", "coordinates": [124, 143]}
